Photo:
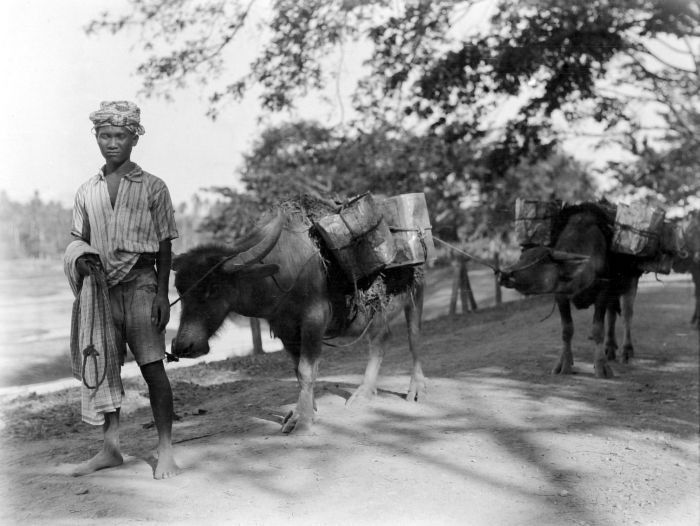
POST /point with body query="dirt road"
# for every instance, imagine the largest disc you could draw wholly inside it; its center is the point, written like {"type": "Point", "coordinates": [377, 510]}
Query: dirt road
{"type": "Point", "coordinates": [498, 441]}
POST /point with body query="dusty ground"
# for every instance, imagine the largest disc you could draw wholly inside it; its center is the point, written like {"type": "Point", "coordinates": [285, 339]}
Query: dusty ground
{"type": "Point", "coordinates": [498, 441]}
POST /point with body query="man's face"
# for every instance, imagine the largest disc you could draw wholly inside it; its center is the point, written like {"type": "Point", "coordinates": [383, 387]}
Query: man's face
{"type": "Point", "coordinates": [115, 143]}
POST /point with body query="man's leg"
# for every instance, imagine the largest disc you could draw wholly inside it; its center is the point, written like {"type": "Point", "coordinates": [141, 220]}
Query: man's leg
{"type": "Point", "coordinates": [161, 397]}
{"type": "Point", "coordinates": [110, 455]}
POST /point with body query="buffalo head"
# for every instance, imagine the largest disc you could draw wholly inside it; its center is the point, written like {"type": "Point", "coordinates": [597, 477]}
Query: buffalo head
{"type": "Point", "coordinates": [212, 281]}
{"type": "Point", "coordinates": [542, 270]}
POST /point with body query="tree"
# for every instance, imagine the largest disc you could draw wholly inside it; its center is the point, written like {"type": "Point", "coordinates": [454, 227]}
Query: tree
{"type": "Point", "coordinates": [231, 216]}
{"type": "Point", "coordinates": [667, 163]}
{"type": "Point", "coordinates": [499, 89]}
{"type": "Point", "coordinates": [307, 158]}
{"type": "Point", "coordinates": [33, 229]}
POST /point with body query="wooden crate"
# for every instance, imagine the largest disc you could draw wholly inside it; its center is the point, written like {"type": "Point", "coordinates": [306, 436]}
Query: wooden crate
{"type": "Point", "coordinates": [637, 229]}
{"type": "Point", "coordinates": [409, 223]}
{"type": "Point", "coordinates": [533, 221]}
{"type": "Point", "coordinates": [358, 237]}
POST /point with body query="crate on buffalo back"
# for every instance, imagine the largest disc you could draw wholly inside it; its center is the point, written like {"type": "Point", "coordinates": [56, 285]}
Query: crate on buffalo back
{"type": "Point", "coordinates": [533, 220]}
{"type": "Point", "coordinates": [358, 237]}
{"type": "Point", "coordinates": [670, 240]}
{"type": "Point", "coordinates": [637, 230]}
{"type": "Point", "coordinates": [690, 235]}
{"type": "Point", "coordinates": [409, 224]}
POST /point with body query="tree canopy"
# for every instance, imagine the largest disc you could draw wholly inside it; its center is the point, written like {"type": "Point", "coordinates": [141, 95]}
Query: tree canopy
{"type": "Point", "coordinates": [451, 102]}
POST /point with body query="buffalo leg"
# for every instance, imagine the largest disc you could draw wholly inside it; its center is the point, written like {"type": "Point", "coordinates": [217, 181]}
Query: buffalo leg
{"type": "Point", "coordinates": [627, 312]}
{"type": "Point", "coordinates": [368, 388]}
{"type": "Point", "coordinates": [301, 418]}
{"type": "Point", "coordinates": [566, 359]}
{"type": "Point", "coordinates": [610, 339]}
{"type": "Point", "coordinates": [600, 360]}
{"type": "Point", "coordinates": [695, 273]}
{"type": "Point", "coordinates": [413, 312]}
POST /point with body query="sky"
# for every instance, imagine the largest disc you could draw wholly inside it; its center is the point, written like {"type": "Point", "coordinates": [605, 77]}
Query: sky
{"type": "Point", "coordinates": [54, 75]}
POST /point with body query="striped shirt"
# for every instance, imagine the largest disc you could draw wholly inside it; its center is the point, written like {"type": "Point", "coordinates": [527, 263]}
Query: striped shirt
{"type": "Point", "coordinates": [142, 216]}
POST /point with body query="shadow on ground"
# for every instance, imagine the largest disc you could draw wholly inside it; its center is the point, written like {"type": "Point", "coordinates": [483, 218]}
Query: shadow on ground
{"type": "Point", "coordinates": [498, 437]}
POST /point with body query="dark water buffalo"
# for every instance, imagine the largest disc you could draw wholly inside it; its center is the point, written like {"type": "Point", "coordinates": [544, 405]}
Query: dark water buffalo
{"type": "Point", "coordinates": [279, 273]}
{"type": "Point", "coordinates": [688, 260]}
{"type": "Point", "coordinates": [580, 269]}
{"type": "Point", "coordinates": [691, 265]}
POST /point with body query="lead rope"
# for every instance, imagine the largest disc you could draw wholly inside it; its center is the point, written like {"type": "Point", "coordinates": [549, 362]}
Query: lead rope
{"type": "Point", "coordinates": [90, 351]}
{"type": "Point", "coordinates": [212, 269]}
{"type": "Point", "coordinates": [169, 356]}
{"type": "Point", "coordinates": [496, 269]}
{"type": "Point", "coordinates": [470, 256]}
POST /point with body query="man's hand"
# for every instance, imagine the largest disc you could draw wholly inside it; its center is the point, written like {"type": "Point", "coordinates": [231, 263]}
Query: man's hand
{"type": "Point", "coordinates": [160, 311]}
{"type": "Point", "coordinates": [84, 264]}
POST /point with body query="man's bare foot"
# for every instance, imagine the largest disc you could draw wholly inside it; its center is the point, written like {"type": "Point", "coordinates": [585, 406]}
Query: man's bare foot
{"type": "Point", "coordinates": [166, 466]}
{"type": "Point", "coordinates": [106, 458]}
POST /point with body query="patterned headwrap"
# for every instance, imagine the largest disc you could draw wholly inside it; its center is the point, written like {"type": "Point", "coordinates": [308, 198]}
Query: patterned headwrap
{"type": "Point", "coordinates": [118, 113]}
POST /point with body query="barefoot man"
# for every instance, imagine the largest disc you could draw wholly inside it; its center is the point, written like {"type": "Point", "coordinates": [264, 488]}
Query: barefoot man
{"type": "Point", "coordinates": [123, 224]}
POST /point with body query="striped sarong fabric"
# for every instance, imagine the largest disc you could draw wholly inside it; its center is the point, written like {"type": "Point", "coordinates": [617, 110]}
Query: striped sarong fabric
{"type": "Point", "coordinates": [92, 324]}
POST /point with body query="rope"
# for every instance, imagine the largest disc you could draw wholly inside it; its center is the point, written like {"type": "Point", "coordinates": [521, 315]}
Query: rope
{"type": "Point", "coordinates": [470, 256]}
{"type": "Point", "coordinates": [362, 335]}
{"type": "Point", "coordinates": [212, 269]}
{"type": "Point", "coordinates": [90, 351]}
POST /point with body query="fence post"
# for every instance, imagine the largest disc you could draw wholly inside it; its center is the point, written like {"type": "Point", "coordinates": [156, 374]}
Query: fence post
{"type": "Point", "coordinates": [455, 286]}
{"type": "Point", "coordinates": [497, 264]}
{"type": "Point", "coordinates": [257, 336]}
{"type": "Point", "coordinates": [465, 286]}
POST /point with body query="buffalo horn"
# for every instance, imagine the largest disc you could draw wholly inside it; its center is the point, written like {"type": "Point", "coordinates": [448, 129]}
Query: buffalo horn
{"type": "Point", "coordinates": [560, 255]}
{"type": "Point", "coordinates": [269, 234]}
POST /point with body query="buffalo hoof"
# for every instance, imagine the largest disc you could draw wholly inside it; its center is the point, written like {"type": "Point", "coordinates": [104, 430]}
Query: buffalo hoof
{"type": "Point", "coordinates": [296, 423]}
{"type": "Point", "coordinates": [627, 354]}
{"type": "Point", "coordinates": [610, 351]}
{"type": "Point", "coordinates": [563, 367]}
{"type": "Point", "coordinates": [416, 390]}
{"type": "Point", "coordinates": [603, 369]}
{"type": "Point", "coordinates": [362, 395]}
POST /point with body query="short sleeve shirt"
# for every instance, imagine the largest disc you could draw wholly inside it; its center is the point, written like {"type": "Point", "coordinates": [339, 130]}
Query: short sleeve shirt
{"type": "Point", "coordinates": [142, 216]}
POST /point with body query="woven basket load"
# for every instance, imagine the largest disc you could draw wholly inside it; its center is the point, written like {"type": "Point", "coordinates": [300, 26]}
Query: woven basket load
{"type": "Point", "coordinates": [533, 221]}
{"type": "Point", "coordinates": [358, 237]}
{"type": "Point", "coordinates": [407, 217]}
{"type": "Point", "coordinates": [637, 229]}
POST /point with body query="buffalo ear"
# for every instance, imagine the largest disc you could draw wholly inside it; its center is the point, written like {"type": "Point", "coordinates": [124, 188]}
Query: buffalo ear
{"type": "Point", "coordinates": [259, 271]}
{"type": "Point", "coordinates": [569, 257]}
{"type": "Point", "coordinates": [176, 262]}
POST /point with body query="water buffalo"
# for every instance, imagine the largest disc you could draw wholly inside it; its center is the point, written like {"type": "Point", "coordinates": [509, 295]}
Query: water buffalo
{"type": "Point", "coordinates": [282, 273]}
{"type": "Point", "coordinates": [579, 267]}
{"type": "Point", "coordinates": [687, 260]}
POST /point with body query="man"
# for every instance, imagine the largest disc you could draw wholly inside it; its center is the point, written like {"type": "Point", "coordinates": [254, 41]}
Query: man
{"type": "Point", "coordinates": [125, 215]}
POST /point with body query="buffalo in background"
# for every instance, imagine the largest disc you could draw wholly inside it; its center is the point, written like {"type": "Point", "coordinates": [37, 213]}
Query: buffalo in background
{"type": "Point", "coordinates": [580, 268]}
{"type": "Point", "coordinates": [280, 273]}
{"type": "Point", "coordinates": [688, 259]}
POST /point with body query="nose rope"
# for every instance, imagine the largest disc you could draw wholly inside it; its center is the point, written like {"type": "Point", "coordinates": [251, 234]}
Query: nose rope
{"type": "Point", "coordinates": [212, 269]}
{"type": "Point", "coordinates": [470, 256]}
{"type": "Point", "coordinates": [171, 357]}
